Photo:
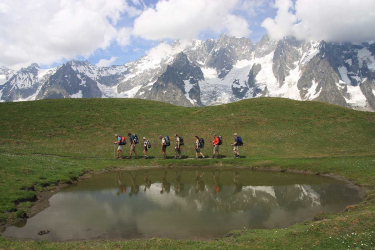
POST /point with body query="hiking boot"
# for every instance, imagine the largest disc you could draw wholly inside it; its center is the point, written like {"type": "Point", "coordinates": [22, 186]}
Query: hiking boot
{"type": "Point", "coordinates": [121, 158]}
{"type": "Point", "coordinates": [213, 157]}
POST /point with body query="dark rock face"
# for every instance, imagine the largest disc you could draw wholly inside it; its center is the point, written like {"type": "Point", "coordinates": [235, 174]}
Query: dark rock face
{"type": "Point", "coordinates": [67, 82]}
{"type": "Point", "coordinates": [239, 90]}
{"type": "Point", "coordinates": [285, 56]}
{"type": "Point", "coordinates": [178, 84]}
{"type": "Point", "coordinates": [255, 90]}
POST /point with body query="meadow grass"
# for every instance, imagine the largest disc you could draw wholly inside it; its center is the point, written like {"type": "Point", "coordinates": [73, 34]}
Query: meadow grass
{"type": "Point", "coordinates": [44, 143]}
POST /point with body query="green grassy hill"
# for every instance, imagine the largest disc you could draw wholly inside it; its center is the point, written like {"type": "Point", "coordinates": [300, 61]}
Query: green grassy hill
{"type": "Point", "coordinates": [270, 127]}
{"type": "Point", "coordinates": [43, 143]}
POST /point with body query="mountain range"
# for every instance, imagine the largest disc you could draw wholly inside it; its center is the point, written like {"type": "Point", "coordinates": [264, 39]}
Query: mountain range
{"type": "Point", "coordinates": [212, 72]}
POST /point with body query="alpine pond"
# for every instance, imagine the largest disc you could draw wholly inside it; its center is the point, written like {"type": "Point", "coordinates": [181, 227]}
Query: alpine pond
{"type": "Point", "coordinates": [183, 203]}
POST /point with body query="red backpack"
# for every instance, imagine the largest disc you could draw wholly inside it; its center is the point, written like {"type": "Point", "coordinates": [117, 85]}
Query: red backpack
{"type": "Point", "coordinates": [122, 141]}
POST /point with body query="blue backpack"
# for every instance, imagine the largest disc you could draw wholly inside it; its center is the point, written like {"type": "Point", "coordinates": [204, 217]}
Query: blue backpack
{"type": "Point", "coordinates": [239, 141]}
{"type": "Point", "coordinates": [136, 140]}
{"type": "Point", "coordinates": [167, 141]}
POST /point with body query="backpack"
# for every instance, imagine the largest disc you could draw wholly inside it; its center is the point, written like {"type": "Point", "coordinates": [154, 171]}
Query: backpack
{"type": "Point", "coordinates": [167, 141]}
{"type": "Point", "coordinates": [201, 143]}
{"type": "Point", "coordinates": [181, 141]}
{"type": "Point", "coordinates": [148, 144]}
{"type": "Point", "coordinates": [136, 140]}
{"type": "Point", "coordinates": [122, 141]}
{"type": "Point", "coordinates": [239, 141]}
{"type": "Point", "coordinates": [220, 140]}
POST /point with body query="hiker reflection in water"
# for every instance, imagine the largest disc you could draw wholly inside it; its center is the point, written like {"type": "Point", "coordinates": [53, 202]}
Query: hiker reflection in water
{"type": "Point", "coordinates": [121, 184]}
{"type": "Point", "coordinates": [237, 184]}
{"type": "Point", "coordinates": [179, 185]}
{"type": "Point", "coordinates": [200, 182]}
{"type": "Point", "coordinates": [147, 182]}
{"type": "Point", "coordinates": [165, 185]}
{"type": "Point", "coordinates": [217, 185]}
{"type": "Point", "coordinates": [134, 188]}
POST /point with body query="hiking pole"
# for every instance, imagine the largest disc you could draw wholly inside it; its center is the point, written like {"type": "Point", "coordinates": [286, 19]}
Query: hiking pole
{"type": "Point", "coordinates": [114, 151]}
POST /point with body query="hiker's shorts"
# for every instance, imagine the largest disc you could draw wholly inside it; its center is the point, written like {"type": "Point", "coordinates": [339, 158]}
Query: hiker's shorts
{"type": "Point", "coordinates": [198, 150]}
{"type": "Point", "coordinates": [235, 150]}
{"type": "Point", "coordinates": [132, 147]}
{"type": "Point", "coordinates": [119, 147]}
{"type": "Point", "coordinates": [216, 149]}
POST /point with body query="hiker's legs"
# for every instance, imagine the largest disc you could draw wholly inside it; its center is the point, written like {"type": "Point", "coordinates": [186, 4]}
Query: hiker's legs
{"type": "Point", "coordinates": [236, 152]}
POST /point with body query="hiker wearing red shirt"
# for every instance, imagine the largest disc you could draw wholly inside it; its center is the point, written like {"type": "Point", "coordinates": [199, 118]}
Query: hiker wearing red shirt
{"type": "Point", "coordinates": [216, 143]}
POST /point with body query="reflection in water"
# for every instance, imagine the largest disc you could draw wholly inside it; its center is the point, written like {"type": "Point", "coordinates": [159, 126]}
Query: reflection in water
{"type": "Point", "coordinates": [134, 188]}
{"type": "Point", "coordinates": [166, 186]}
{"type": "Point", "coordinates": [200, 183]}
{"type": "Point", "coordinates": [237, 183]}
{"type": "Point", "coordinates": [147, 182]}
{"type": "Point", "coordinates": [217, 185]}
{"type": "Point", "coordinates": [120, 181]}
{"type": "Point", "coordinates": [179, 186]}
{"type": "Point", "coordinates": [200, 205]}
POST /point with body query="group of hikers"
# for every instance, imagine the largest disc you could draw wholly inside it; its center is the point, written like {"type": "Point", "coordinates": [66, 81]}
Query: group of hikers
{"type": "Point", "coordinates": [165, 143]}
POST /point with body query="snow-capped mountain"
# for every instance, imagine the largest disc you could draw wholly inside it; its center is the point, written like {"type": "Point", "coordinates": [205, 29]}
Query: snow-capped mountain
{"type": "Point", "coordinates": [199, 73]}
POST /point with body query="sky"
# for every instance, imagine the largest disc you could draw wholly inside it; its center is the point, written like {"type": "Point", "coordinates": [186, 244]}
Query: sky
{"type": "Point", "coordinates": [114, 32]}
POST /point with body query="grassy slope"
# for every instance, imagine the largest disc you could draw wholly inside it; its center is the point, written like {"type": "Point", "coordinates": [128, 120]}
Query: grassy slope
{"type": "Point", "coordinates": [277, 132]}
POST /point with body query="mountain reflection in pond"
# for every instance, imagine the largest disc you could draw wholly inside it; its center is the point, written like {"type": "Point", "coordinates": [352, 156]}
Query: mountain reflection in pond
{"type": "Point", "coordinates": [183, 204]}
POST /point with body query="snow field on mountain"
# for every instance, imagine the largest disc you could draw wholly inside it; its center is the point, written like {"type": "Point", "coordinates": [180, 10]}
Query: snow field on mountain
{"type": "Point", "coordinates": [3, 79]}
{"type": "Point", "coordinates": [357, 98]}
{"type": "Point", "coordinates": [221, 89]}
{"type": "Point", "coordinates": [77, 95]}
{"type": "Point", "coordinates": [313, 92]}
{"type": "Point", "coordinates": [364, 55]}
{"type": "Point", "coordinates": [188, 87]}
{"type": "Point", "coordinates": [265, 77]}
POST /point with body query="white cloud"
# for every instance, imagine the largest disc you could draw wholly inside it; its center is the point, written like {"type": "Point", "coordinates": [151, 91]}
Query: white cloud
{"type": "Point", "coordinates": [123, 36]}
{"type": "Point", "coordinates": [105, 62]}
{"type": "Point", "coordinates": [330, 20]}
{"type": "Point", "coordinates": [236, 26]}
{"type": "Point", "coordinates": [47, 31]}
{"type": "Point", "coordinates": [185, 19]}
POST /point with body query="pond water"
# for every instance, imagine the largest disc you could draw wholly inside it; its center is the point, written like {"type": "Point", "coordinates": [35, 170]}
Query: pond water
{"type": "Point", "coordinates": [183, 204]}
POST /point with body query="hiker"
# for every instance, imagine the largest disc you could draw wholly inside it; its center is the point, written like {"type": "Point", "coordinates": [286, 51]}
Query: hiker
{"type": "Point", "coordinates": [198, 146]}
{"type": "Point", "coordinates": [146, 146]}
{"type": "Point", "coordinates": [163, 146]}
{"type": "Point", "coordinates": [121, 141]}
{"type": "Point", "coordinates": [177, 149]}
{"type": "Point", "coordinates": [133, 142]}
{"type": "Point", "coordinates": [237, 143]}
{"type": "Point", "coordinates": [216, 143]}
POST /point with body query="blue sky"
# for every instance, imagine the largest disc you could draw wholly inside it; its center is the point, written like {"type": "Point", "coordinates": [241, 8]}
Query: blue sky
{"type": "Point", "coordinates": [107, 32]}
{"type": "Point", "coordinates": [138, 46]}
